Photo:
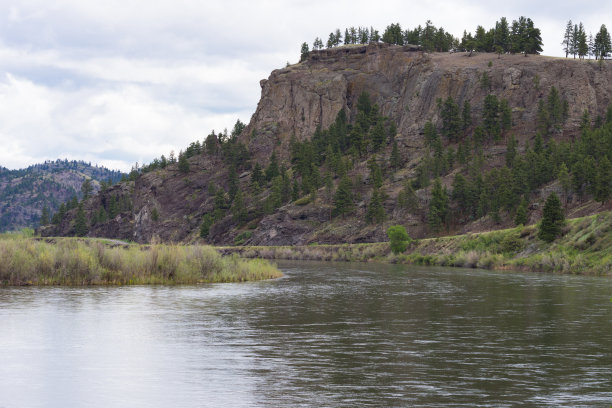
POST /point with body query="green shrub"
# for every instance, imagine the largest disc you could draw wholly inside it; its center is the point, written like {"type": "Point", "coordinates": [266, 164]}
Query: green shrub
{"type": "Point", "coordinates": [242, 237]}
{"type": "Point", "coordinates": [511, 244]}
{"type": "Point", "coordinates": [398, 238]}
{"type": "Point", "coordinates": [302, 201]}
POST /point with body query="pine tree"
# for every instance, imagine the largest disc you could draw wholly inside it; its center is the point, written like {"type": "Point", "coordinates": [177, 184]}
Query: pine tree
{"type": "Point", "coordinates": [375, 172]}
{"type": "Point", "coordinates": [521, 213]}
{"type": "Point", "coordinates": [304, 52]}
{"type": "Point", "coordinates": [430, 134]}
{"type": "Point", "coordinates": [343, 199]}
{"type": "Point", "coordinates": [552, 219]}
{"type": "Point", "coordinates": [86, 188]}
{"type": "Point", "coordinates": [438, 206]}
{"type": "Point", "coordinates": [378, 136]}
{"type": "Point", "coordinates": [44, 217]}
{"type": "Point", "coordinates": [375, 213]}
{"type": "Point", "coordinates": [72, 203]}
{"type": "Point", "coordinates": [602, 45]}
{"type": "Point", "coordinates": [272, 170]}
{"type": "Point", "coordinates": [583, 46]}
{"type": "Point", "coordinates": [183, 164]}
{"type": "Point", "coordinates": [338, 37]}
{"type": "Point", "coordinates": [286, 186]}
{"type": "Point", "coordinates": [407, 198]}
{"type": "Point", "coordinates": [211, 143]}
{"type": "Point", "coordinates": [80, 223]}
{"type": "Point", "coordinates": [460, 193]}
{"type": "Point", "coordinates": [295, 190]}
{"type": "Point", "coordinates": [490, 116]}
{"type": "Point", "coordinates": [603, 180]}
{"type": "Point", "coordinates": [511, 151]}
{"type": "Point", "coordinates": [239, 211]}
{"type": "Point", "coordinates": [220, 202]}
{"type": "Point", "coordinates": [564, 179]}
{"type": "Point", "coordinates": [451, 119]}
{"type": "Point", "coordinates": [257, 175]}
{"type": "Point", "coordinates": [207, 222]}
{"type": "Point", "coordinates": [276, 193]}
{"type": "Point", "coordinates": [585, 121]}
{"type": "Point", "coordinates": [567, 38]}
{"type": "Point", "coordinates": [113, 210]}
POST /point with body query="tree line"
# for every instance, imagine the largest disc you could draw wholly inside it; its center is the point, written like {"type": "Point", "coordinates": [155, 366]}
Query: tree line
{"type": "Point", "coordinates": [576, 43]}
{"type": "Point", "coordinates": [521, 36]}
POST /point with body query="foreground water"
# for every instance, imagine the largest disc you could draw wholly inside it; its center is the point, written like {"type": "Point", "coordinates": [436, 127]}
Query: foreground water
{"type": "Point", "coordinates": [325, 335]}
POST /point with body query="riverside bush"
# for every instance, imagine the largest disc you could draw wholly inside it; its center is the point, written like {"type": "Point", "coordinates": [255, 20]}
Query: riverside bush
{"type": "Point", "coordinates": [398, 238]}
{"type": "Point", "coordinates": [89, 262]}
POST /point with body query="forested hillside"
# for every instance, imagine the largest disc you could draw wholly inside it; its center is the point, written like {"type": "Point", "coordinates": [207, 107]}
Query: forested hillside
{"type": "Point", "coordinates": [356, 138]}
{"type": "Point", "coordinates": [41, 188]}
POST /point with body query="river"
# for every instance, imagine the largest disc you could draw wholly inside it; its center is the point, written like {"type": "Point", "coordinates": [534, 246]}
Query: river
{"type": "Point", "coordinates": [325, 335]}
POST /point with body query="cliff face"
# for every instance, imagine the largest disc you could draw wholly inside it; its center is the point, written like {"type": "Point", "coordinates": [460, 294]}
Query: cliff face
{"type": "Point", "coordinates": [405, 83]}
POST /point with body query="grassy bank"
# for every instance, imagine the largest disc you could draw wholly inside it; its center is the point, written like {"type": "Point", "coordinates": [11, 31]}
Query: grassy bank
{"type": "Point", "coordinates": [69, 261]}
{"type": "Point", "coordinates": [584, 248]}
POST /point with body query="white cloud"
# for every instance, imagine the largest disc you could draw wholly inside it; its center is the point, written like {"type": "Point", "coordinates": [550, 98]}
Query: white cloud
{"type": "Point", "coordinates": [117, 82]}
{"type": "Point", "coordinates": [105, 126]}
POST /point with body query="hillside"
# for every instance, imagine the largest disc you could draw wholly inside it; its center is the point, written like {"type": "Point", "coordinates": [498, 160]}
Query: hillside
{"type": "Point", "coordinates": [357, 138]}
{"type": "Point", "coordinates": [25, 192]}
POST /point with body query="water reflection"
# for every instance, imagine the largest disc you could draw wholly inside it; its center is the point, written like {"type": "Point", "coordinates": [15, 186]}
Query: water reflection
{"type": "Point", "coordinates": [325, 335]}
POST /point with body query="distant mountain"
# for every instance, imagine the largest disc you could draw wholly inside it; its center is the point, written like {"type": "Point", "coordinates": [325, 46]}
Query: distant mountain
{"type": "Point", "coordinates": [25, 192]}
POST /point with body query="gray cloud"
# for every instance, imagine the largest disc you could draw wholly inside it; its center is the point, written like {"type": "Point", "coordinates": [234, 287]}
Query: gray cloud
{"type": "Point", "coordinates": [117, 82]}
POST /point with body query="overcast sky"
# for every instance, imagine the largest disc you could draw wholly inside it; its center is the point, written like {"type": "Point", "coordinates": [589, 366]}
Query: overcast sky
{"type": "Point", "coordinates": [118, 82]}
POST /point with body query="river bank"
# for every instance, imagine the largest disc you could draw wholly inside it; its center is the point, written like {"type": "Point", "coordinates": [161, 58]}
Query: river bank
{"type": "Point", "coordinates": [585, 248]}
{"type": "Point", "coordinates": [80, 262]}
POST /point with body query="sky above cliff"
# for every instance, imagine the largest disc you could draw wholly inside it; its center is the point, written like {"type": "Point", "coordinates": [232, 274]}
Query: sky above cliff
{"type": "Point", "coordinates": [119, 82]}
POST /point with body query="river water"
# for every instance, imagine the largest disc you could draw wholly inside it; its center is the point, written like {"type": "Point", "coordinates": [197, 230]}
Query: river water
{"type": "Point", "coordinates": [325, 335]}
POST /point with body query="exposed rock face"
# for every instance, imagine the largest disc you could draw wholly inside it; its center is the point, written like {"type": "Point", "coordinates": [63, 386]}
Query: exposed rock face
{"type": "Point", "coordinates": [405, 83]}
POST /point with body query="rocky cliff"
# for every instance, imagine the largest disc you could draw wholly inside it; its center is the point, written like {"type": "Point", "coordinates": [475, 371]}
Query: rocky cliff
{"type": "Point", "coordinates": [406, 84]}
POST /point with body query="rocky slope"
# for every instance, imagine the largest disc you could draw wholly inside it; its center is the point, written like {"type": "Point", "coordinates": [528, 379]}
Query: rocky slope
{"type": "Point", "coordinates": [405, 83]}
{"type": "Point", "coordinates": [24, 193]}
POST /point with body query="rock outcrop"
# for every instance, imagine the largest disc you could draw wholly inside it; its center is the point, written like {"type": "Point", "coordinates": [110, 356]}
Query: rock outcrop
{"type": "Point", "coordinates": [406, 84]}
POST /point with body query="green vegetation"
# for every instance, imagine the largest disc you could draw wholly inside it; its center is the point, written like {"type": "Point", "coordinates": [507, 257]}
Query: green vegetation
{"type": "Point", "coordinates": [520, 37]}
{"type": "Point", "coordinates": [66, 261]}
{"type": "Point", "coordinates": [575, 42]}
{"type": "Point", "coordinates": [585, 248]}
{"type": "Point", "coordinates": [398, 239]}
{"type": "Point", "coordinates": [552, 219]}
{"type": "Point", "coordinates": [30, 196]}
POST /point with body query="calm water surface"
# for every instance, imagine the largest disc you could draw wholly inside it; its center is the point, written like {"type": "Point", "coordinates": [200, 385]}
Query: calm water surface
{"type": "Point", "coordinates": [326, 335]}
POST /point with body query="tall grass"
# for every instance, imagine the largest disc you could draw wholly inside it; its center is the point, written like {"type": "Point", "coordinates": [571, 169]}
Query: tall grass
{"type": "Point", "coordinates": [584, 248]}
{"type": "Point", "coordinates": [89, 262]}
